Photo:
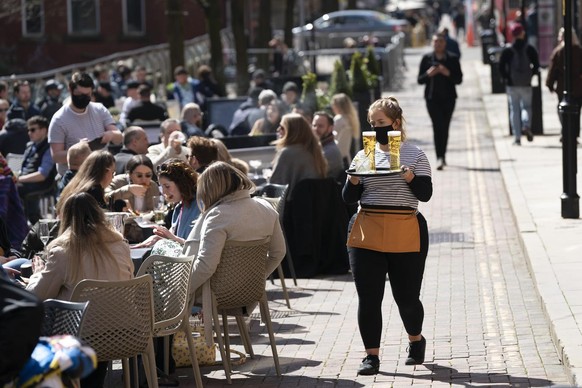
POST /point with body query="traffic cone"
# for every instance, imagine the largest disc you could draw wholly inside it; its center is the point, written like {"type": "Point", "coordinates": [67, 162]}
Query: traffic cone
{"type": "Point", "coordinates": [470, 36]}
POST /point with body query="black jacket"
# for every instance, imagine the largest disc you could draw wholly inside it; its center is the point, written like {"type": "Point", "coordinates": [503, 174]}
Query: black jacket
{"type": "Point", "coordinates": [439, 86]}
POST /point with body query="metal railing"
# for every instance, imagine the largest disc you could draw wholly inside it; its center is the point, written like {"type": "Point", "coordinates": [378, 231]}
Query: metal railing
{"type": "Point", "coordinates": [155, 58]}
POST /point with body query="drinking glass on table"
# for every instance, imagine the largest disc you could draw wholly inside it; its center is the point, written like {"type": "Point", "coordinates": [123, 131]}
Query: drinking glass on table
{"type": "Point", "coordinates": [255, 164]}
{"type": "Point", "coordinates": [44, 231]}
{"type": "Point", "coordinates": [159, 209]}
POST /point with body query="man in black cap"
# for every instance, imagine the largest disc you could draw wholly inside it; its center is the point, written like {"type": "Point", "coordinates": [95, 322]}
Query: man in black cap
{"type": "Point", "coordinates": [52, 100]}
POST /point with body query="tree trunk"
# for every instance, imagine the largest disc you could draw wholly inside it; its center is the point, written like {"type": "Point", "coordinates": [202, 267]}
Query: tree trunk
{"type": "Point", "coordinates": [175, 18]}
{"type": "Point", "coordinates": [289, 12]}
{"type": "Point", "coordinates": [264, 33]}
{"type": "Point", "coordinates": [351, 4]}
{"type": "Point", "coordinates": [237, 9]}
{"type": "Point", "coordinates": [328, 6]}
{"type": "Point", "coordinates": [213, 24]}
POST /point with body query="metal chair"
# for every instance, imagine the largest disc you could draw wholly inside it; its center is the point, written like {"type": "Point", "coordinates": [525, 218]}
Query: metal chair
{"type": "Point", "coordinates": [171, 285]}
{"type": "Point", "coordinates": [239, 281]}
{"type": "Point", "coordinates": [62, 317]}
{"type": "Point", "coordinates": [119, 323]}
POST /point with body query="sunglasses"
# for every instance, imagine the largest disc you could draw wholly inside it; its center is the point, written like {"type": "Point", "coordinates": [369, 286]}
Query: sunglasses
{"type": "Point", "coordinates": [140, 175]}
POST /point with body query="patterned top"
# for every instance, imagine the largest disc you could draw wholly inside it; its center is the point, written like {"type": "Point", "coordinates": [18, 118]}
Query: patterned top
{"type": "Point", "coordinates": [392, 190]}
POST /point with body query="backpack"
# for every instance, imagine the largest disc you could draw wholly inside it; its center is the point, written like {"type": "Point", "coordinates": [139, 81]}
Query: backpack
{"type": "Point", "coordinates": [520, 71]}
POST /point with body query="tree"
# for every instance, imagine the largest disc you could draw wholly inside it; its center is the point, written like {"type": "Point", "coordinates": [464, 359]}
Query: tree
{"type": "Point", "coordinates": [352, 4]}
{"type": "Point", "coordinates": [175, 33]}
{"type": "Point", "coordinates": [240, 43]}
{"type": "Point", "coordinates": [212, 12]}
{"type": "Point", "coordinates": [328, 6]}
{"type": "Point", "coordinates": [289, 11]}
{"type": "Point", "coordinates": [264, 33]}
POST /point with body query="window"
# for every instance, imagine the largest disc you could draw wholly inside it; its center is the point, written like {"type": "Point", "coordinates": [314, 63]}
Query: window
{"type": "Point", "coordinates": [83, 17]}
{"type": "Point", "coordinates": [133, 17]}
{"type": "Point", "coordinates": [32, 17]}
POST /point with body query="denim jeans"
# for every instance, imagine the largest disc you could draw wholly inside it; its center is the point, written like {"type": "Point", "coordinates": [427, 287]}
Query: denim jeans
{"type": "Point", "coordinates": [519, 108]}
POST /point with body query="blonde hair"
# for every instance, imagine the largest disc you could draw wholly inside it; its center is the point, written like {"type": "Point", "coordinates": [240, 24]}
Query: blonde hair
{"type": "Point", "coordinates": [77, 154]}
{"type": "Point", "coordinates": [346, 108]}
{"type": "Point", "coordinates": [391, 108]}
{"type": "Point", "coordinates": [219, 180]}
{"type": "Point", "coordinates": [223, 154]}
{"type": "Point", "coordinates": [298, 131]}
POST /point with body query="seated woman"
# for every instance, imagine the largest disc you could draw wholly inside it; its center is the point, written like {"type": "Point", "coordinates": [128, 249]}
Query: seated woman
{"type": "Point", "coordinates": [178, 181]}
{"type": "Point", "coordinates": [270, 122]}
{"type": "Point", "coordinates": [87, 248]}
{"type": "Point", "coordinates": [299, 154]}
{"type": "Point", "coordinates": [94, 175]}
{"type": "Point", "coordinates": [136, 185]}
{"type": "Point", "coordinates": [229, 213]}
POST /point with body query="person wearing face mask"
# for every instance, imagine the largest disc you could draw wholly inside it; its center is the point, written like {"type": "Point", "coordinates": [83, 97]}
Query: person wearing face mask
{"type": "Point", "coordinates": [440, 71]}
{"type": "Point", "coordinates": [80, 119]}
{"type": "Point", "coordinates": [388, 236]}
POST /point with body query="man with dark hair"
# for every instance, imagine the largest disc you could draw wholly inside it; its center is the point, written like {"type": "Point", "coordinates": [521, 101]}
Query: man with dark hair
{"type": "Point", "coordinates": [38, 169]}
{"type": "Point", "coordinates": [202, 152]}
{"type": "Point", "coordinates": [322, 126]}
{"type": "Point", "coordinates": [22, 107]}
{"type": "Point", "coordinates": [80, 119]}
{"type": "Point", "coordinates": [135, 142]}
{"type": "Point", "coordinates": [145, 109]}
{"type": "Point", "coordinates": [13, 137]}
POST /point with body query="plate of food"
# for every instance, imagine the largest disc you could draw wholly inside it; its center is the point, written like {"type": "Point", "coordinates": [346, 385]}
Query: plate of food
{"type": "Point", "coordinates": [380, 171]}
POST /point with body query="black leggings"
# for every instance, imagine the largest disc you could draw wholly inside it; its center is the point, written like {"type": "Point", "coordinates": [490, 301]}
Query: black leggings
{"type": "Point", "coordinates": [405, 270]}
{"type": "Point", "coordinates": [441, 113]}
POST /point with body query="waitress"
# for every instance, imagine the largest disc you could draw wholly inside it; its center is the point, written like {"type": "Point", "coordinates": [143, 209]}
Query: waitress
{"type": "Point", "coordinates": [389, 236]}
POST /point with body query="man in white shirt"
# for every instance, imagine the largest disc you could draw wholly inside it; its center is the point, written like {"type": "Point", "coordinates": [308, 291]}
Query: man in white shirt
{"type": "Point", "coordinates": [80, 119]}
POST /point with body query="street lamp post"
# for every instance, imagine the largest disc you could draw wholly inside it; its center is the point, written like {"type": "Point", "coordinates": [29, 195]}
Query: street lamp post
{"type": "Point", "coordinates": [570, 116]}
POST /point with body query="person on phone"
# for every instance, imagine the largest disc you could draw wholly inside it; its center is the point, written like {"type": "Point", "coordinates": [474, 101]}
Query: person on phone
{"type": "Point", "coordinates": [178, 181]}
{"type": "Point", "coordinates": [399, 246]}
{"type": "Point", "coordinates": [440, 71]}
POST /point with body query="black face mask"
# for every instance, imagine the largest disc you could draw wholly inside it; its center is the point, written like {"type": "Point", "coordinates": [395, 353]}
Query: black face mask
{"type": "Point", "coordinates": [382, 134]}
{"type": "Point", "coordinates": [81, 101]}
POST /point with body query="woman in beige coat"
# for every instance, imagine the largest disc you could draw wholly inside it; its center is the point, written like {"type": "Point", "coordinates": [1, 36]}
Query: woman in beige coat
{"type": "Point", "coordinates": [88, 247]}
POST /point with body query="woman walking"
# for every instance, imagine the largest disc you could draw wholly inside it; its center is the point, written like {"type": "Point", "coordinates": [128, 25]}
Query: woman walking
{"type": "Point", "coordinates": [388, 213]}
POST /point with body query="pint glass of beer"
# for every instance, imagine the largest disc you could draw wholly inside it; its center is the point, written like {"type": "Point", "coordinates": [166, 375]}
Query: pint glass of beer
{"type": "Point", "coordinates": [394, 144]}
{"type": "Point", "coordinates": [369, 138]}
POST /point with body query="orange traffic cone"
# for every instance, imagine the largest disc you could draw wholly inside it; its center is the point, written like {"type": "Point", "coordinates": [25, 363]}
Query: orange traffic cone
{"type": "Point", "coordinates": [470, 36]}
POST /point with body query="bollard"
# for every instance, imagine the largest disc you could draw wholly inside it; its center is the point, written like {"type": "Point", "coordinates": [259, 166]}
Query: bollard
{"type": "Point", "coordinates": [497, 84]}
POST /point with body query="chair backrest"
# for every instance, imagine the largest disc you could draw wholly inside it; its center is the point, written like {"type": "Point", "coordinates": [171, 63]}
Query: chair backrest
{"type": "Point", "coordinates": [239, 279]}
{"type": "Point", "coordinates": [119, 320]}
{"type": "Point", "coordinates": [171, 285]}
{"type": "Point", "coordinates": [62, 317]}
{"type": "Point", "coordinates": [15, 162]}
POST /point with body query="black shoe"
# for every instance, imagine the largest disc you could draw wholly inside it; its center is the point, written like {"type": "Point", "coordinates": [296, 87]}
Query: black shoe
{"type": "Point", "coordinates": [528, 133]}
{"type": "Point", "coordinates": [165, 380]}
{"type": "Point", "coordinates": [416, 351]}
{"type": "Point", "coordinates": [369, 366]}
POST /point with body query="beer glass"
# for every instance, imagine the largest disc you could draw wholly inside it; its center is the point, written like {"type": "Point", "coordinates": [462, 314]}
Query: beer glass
{"type": "Point", "coordinates": [394, 138]}
{"type": "Point", "coordinates": [369, 139]}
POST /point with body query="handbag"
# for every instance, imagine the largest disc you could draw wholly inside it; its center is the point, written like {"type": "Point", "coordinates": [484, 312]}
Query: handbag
{"type": "Point", "coordinates": [206, 354]}
{"type": "Point", "coordinates": [394, 231]}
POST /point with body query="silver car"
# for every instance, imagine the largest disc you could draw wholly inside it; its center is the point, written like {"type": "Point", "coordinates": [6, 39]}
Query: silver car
{"type": "Point", "coordinates": [330, 30]}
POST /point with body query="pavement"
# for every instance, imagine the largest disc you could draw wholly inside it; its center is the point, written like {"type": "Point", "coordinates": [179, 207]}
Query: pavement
{"type": "Point", "coordinates": [500, 288]}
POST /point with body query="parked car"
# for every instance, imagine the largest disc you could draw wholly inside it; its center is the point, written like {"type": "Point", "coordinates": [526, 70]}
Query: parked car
{"type": "Point", "coordinates": [330, 30]}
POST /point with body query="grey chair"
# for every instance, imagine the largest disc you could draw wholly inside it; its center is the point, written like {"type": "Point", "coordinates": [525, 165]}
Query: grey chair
{"type": "Point", "coordinates": [62, 317]}
{"type": "Point", "coordinates": [239, 281]}
{"type": "Point", "coordinates": [171, 285]}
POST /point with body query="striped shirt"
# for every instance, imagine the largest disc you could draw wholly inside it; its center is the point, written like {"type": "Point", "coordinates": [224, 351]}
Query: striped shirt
{"type": "Point", "coordinates": [392, 190]}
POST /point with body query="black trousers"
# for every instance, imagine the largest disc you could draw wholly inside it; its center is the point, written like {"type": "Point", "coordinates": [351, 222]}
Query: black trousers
{"type": "Point", "coordinates": [405, 272]}
{"type": "Point", "coordinates": [441, 113]}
